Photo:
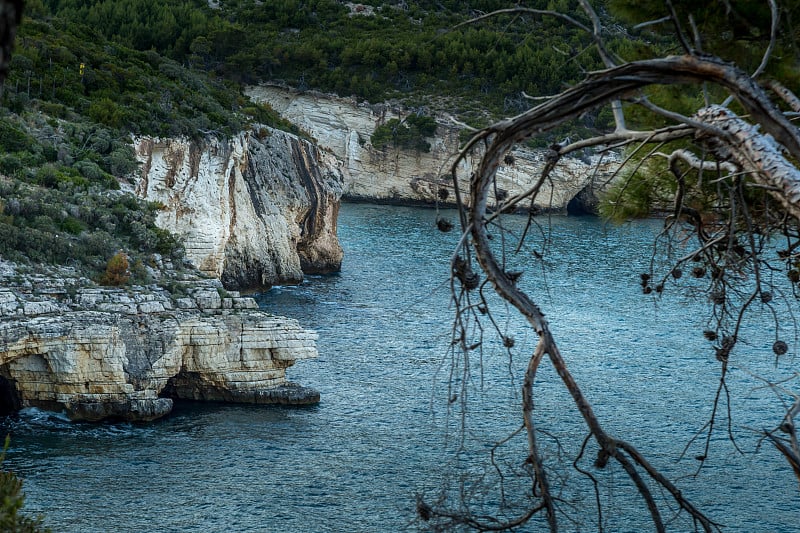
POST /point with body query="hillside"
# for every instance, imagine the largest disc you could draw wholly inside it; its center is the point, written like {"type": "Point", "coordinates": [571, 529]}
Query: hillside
{"type": "Point", "coordinates": [374, 50]}
{"type": "Point", "coordinates": [69, 107]}
{"type": "Point", "coordinates": [87, 75]}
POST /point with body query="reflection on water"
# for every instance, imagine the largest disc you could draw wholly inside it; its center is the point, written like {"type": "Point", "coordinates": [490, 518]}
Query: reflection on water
{"type": "Point", "coordinates": [356, 461]}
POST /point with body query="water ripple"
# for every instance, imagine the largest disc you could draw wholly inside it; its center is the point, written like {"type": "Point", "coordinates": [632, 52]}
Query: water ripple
{"type": "Point", "coordinates": [383, 431]}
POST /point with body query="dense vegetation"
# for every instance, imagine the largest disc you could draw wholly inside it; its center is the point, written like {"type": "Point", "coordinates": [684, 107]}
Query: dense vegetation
{"type": "Point", "coordinates": [374, 50]}
{"type": "Point", "coordinates": [408, 134]}
{"type": "Point", "coordinates": [67, 70]}
{"type": "Point", "coordinates": [736, 31]}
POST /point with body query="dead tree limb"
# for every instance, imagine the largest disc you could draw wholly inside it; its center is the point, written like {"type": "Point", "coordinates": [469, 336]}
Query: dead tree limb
{"type": "Point", "coordinates": [734, 142]}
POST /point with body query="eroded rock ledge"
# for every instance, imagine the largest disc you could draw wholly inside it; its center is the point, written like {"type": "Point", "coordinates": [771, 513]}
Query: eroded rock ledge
{"type": "Point", "coordinates": [96, 352]}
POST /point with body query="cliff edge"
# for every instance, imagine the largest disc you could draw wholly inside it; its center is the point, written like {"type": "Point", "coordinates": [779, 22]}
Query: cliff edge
{"type": "Point", "coordinates": [345, 126]}
{"type": "Point", "coordinates": [254, 211]}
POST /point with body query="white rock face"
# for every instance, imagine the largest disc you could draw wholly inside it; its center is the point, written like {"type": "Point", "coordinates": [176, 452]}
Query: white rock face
{"type": "Point", "coordinates": [99, 352]}
{"type": "Point", "coordinates": [254, 211]}
{"type": "Point", "coordinates": [345, 126]}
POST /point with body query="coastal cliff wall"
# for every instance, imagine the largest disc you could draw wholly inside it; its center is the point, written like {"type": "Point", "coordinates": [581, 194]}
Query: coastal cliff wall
{"type": "Point", "coordinates": [98, 352]}
{"type": "Point", "coordinates": [257, 210]}
{"type": "Point", "coordinates": [344, 127]}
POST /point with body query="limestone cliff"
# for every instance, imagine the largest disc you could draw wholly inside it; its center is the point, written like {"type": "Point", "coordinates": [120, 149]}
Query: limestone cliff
{"type": "Point", "coordinates": [97, 352]}
{"type": "Point", "coordinates": [256, 210]}
{"type": "Point", "coordinates": [344, 126]}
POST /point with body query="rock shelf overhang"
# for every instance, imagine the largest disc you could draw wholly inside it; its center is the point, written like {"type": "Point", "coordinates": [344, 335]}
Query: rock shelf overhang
{"type": "Point", "coordinates": [106, 353]}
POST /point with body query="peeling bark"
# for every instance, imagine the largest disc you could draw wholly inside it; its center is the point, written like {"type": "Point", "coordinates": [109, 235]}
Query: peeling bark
{"type": "Point", "coordinates": [755, 153]}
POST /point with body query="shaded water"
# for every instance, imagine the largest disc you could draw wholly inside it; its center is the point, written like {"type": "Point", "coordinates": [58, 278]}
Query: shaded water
{"type": "Point", "coordinates": [383, 432]}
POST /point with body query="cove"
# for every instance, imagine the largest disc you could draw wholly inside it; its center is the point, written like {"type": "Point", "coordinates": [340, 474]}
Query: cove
{"type": "Point", "coordinates": [384, 430]}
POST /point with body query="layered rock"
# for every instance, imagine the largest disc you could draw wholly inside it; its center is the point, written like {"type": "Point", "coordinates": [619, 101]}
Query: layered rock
{"type": "Point", "coordinates": [96, 353]}
{"type": "Point", "coordinates": [254, 211]}
{"type": "Point", "coordinates": [345, 126]}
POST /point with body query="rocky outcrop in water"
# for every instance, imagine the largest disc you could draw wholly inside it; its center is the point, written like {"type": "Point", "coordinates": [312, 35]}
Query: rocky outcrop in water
{"type": "Point", "coordinates": [345, 126]}
{"type": "Point", "coordinates": [98, 352]}
{"type": "Point", "coordinates": [254, 211]}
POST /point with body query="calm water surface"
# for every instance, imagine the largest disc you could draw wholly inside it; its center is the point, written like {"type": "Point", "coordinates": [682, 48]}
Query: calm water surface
{"type": "Point", "coordinates": [383, 433]}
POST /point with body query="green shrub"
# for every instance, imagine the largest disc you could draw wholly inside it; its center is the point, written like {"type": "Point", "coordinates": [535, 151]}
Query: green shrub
{"type": "Point", "coordinates": [54, 176]}
{"type": "Point", "coordinates": [10, 164]}
{"type": "Point", "coordinates": [409, 134]}
{"type": "Point", "coordinates": [117, 270]}
{"type": "Point", "coordinates": [105, 111]}
{"type": "Point", "coordinates": [90, 170]}
{"type": "Point", "coordinates": [50, 153]}
{"type": "Point", "coordinates": [54, 109]}
{"type": "Point", "coordinates": [121, 161]}
{"type": "Point", "coordinates": [48, 176]}
{"type": "Point", "coordinates": [139, 273]}
{"type": "Point", "coordinates": [71, 225]}
{"type": "Point", "coordinates": [13, 139]}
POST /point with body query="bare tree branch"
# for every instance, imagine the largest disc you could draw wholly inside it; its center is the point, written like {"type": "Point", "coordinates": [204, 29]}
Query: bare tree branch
{"type": "Point", "coordinates": [735, 144]}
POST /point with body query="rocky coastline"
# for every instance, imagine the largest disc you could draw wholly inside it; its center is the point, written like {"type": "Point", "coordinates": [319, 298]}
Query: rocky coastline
{"type": "Point", "coordinates": [344, 127]}
{"type": "Point", "coordinates": [95, 353]}
{"type": "Point", "coordinates": [255, 210]}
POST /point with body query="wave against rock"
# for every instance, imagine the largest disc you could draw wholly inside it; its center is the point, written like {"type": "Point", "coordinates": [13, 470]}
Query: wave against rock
{"type": "Point", "coordinates": [254, 211]}
{"type": "Point", "coordinates": [345, 126]}
{"type": "Point", "coordinates": [98, 352]}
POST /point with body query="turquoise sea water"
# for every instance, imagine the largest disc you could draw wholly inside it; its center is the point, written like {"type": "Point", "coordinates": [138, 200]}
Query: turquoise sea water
{"type": "Point", "coordinates": [385, 430]}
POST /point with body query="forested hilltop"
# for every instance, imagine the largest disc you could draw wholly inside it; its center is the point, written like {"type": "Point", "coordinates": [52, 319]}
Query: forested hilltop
{"type": "Point", "coordinates": [374, 50]}
{"type": "Point", "coordinates": [413, 51]}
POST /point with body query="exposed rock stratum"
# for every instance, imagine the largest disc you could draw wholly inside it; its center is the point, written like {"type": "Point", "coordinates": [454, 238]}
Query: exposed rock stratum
{"type": "Point", "coordinates": [256, 210]}
{"type": "Point", "coordinates": [98, 352]}
{"type": "Point", "coordinates": [344, 126]}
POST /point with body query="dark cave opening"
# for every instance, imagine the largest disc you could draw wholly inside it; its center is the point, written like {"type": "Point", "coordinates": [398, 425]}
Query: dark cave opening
{"type": "Point", "coordinates": [9, 397]}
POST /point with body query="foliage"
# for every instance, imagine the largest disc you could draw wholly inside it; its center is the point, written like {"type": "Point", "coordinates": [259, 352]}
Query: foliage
{"type": "Point", "coordinates": [69, 66]}
{"type": "Point", "coordinates": [71, 102]}
{"type": "Point", "coordinates": [738, 31]}
{"type": "Point", "coordinates": [117, 270]}
{"type": "Point", "coordinates": [391, 50]}
{"type": "Point", "coordinates": [409, 134]}
{"type": "Point", "coordinates": [735, 30]}
{"type": "Point", "coordinates": [77, 224]}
